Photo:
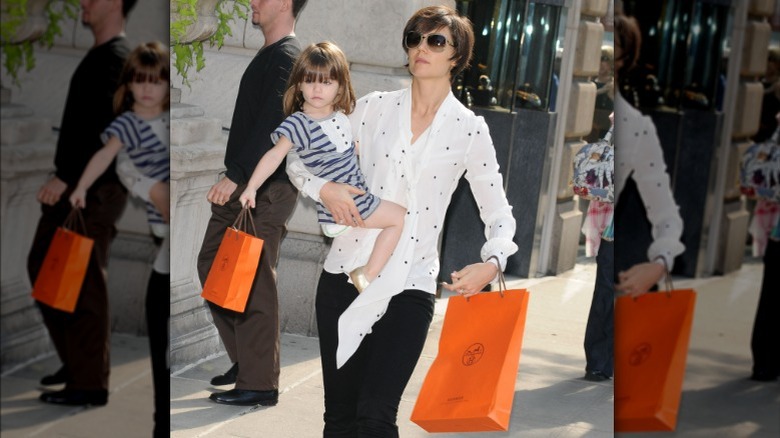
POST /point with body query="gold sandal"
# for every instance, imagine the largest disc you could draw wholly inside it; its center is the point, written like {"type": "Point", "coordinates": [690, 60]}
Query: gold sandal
{"type": "Point", "coordinates": [359, 279]}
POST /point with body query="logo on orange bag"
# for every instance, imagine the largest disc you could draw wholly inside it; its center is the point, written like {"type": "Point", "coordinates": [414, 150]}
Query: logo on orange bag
{"type": "Point", "coordinates": [640, 354]}
{"type": "Point", "coordinates": [224, 264]}
{"type": "Point", "coordinates": [473, 354]}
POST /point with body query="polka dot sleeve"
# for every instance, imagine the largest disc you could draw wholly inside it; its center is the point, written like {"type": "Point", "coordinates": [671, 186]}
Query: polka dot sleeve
{"type": "Point", "coordinates": [487, 185]}
{"type": "Point", "coordinates": [654, 186]}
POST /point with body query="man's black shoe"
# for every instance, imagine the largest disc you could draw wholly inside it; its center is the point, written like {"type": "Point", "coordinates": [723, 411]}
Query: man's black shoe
{"type": "Point", "coordinates": [245, 397]}
{"type": "Point", "coordinates": [764, 376]}
{"type": "Point", "coordinates": [76, 397]}
{"type": "Point", "coordinates": [595, 376]}
{"type": "Point", "coordinates": [61, 376]}
{"type": "Point", "coordinates": [228, 378]}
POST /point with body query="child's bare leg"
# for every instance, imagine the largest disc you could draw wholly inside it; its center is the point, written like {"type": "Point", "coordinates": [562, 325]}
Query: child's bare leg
{"type": "Point", "coordinates": [389, 216]}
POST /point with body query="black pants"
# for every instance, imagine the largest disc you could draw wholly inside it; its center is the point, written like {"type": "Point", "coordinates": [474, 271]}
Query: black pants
{"type": "Point", "coordinates": [763, 344]}
{"type": "Point", "coordinates": [158, 313]}
{"type": "Point", "coordinates": [599, 332]}
{"type": "Point", "coordinates": [362, 398]}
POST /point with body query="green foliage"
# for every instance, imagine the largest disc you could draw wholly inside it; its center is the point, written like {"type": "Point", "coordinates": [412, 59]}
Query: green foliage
{"type": "Point", "coordinates": [187, 55]}
{"type": "Point", "coordinates": [18, 55]}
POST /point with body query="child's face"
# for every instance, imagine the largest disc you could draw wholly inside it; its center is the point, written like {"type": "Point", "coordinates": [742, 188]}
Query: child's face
{"type": "Point", "coordinates": [149, 95]}
{"type": "Point", "coordinates": [319, 95]}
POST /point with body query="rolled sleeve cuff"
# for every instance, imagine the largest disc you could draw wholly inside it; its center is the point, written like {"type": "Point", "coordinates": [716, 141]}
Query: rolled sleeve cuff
{"type": "Point", "coordinates": [142, 187]}
{"type": "Point", "coordinates": [501, 248]}
{"type": "Point", "coordinates": [667, 249]}
{"type": "Point", "coordinates": [312, 187]}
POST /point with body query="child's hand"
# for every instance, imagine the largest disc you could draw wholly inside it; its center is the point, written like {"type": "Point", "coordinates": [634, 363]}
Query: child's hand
{"type": "Point", "coordinates": [248, 197]}
{"type": "Point", "coordinates": [78, 198]}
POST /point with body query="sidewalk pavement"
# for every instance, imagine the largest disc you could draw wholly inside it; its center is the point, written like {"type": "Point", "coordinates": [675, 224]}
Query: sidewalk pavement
{"type": "Point", "coordinates": [128, 413]}
{"type": "Point", "coordinates": [551, 399]}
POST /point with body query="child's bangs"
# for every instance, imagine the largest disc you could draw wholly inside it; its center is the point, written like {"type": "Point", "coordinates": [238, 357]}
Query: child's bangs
{"type": "Point", "coordinates": [319, 75]}
{"type": "Point", "coordinates": [148, 75]}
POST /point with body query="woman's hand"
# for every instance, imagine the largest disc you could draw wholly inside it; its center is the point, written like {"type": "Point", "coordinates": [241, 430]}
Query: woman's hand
{"type": "Point", "coordinates": [221, 191]}
{"type": "Point", "coordinates": [640, 278]}
{"type": "Point", "coordinates": [470, 280]}
{"type": "Point", "coordinates": [51, 192]}
{"type": "Point", "coordinates": [337, 198]}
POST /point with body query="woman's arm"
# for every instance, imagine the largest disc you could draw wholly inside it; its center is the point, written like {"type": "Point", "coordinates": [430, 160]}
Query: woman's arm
{"type": "Point", "coordinates": [149, 189]}
{"type": "Point", "coordinates": [305, 181]}
{"type": "Point", "coordinates": [336, 197]}
{"type": "Point", "coordinates": [653, 185]}
{"type": "Point", "coordinates": [265, 167]}
{"type": "Point", "coordinates": [96, 166]}
{"type": "Point", "coordinates": [487, 186]}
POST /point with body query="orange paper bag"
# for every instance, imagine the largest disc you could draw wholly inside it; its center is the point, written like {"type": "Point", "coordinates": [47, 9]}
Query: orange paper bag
{"type": "Point", "coordinates": [233, 270]}
{"type": "Point", "coordinates": [59, 280]}
{"type": "Point", "coordinates": [471, 383]}
{"type": "Point", "coordinates": [651, 347]}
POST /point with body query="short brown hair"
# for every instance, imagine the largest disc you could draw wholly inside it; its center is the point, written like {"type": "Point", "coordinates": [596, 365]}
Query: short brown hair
{"type": "Point", "coordinates": [319, 62]}
{"type": "Point", "coordinates": [435, 17]}
{"type": "Point", "coordinates": [629, 38]}
{"type": "Point", "coordinates": [148, 62]}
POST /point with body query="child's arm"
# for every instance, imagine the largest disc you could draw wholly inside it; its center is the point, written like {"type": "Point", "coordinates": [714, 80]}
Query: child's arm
{"type": "Point", "coordinates": [96, 166]}
{"type": "Point", "coordinates": [265, 167]}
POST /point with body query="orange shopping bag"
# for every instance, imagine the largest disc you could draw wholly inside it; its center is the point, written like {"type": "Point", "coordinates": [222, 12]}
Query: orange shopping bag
{"type": "Point", "coordinates": [59, 280]}
{"type": "Point", "coordinates": [235, 265]}
{"type": "Point", "coordinates": [651, 347]}
{"type": "Point", "coordinates": [471, 383]}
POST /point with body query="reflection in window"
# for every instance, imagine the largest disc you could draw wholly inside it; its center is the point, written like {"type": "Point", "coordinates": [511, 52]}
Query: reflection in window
{"type": "Point", "coordinates": [683, 43]}
{"type": "Point", "coordinates": [514, 53]}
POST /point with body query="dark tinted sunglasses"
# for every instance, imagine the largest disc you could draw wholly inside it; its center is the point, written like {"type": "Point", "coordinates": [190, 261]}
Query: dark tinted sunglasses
{"type": "Point", "coordinates": [436, 42]}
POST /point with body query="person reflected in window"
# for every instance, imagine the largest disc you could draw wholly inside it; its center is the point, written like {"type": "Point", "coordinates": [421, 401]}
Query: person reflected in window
{"type": "Point", "coordinates": [638, 155]}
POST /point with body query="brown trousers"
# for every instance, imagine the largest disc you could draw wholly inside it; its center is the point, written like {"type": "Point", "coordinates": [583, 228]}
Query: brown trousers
{"type": "Point", "coordinates": [251, 338]}
{"type": "Point", "coordinates": [82, 337]}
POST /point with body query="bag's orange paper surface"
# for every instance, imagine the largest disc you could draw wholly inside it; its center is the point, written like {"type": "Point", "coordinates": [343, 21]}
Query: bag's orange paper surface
{"type": "Point", "coordinates": [471, 383]}
{"type": "Point", "coordinates": [59, 281]}
{"type": "Point", "coordinates": [651, 348]}
{"type": "Point", "coordinates": [231, 275]}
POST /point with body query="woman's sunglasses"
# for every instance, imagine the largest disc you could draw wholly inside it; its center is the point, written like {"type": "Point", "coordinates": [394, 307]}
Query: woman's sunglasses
{"type": "Point", "coordinates": [436, 42]}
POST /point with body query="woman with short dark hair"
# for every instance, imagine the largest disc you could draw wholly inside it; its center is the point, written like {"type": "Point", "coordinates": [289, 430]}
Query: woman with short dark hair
{"type": "Point", "coordinates": [415, 144]}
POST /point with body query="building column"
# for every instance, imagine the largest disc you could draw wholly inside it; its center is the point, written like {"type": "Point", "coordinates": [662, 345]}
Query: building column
{"type": "Point", "coordinates": [27, 155]}
{"type": "Point", "coordinates": [729, 228]}
{"type": "Point", "coordinates": [578, 122]}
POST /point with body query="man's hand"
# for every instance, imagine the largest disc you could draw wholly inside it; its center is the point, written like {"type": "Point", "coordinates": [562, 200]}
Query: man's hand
{"type": "Point", "coordinates": [51, 192]}
{"type": "Point", "coordinates": [221, 191]}
{"type": "Point", "coordinates": [160, 196]}
{"type": "Point", "coordinates": [337, 198]}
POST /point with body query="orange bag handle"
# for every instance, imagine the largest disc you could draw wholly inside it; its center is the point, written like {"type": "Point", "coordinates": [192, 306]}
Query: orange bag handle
{"type": "Point", "coordinates": [240, 223]}
{"type": "Point", "coordinates": [73, 219]}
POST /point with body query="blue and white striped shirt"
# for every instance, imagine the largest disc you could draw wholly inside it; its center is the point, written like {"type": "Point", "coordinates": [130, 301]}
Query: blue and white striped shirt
{"type": "Point", "coordinates": [326, 149]}
{"type": "Point", "coordinates": [148, 152]}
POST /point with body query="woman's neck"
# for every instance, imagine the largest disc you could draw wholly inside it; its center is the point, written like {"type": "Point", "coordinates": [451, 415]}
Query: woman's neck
{"type": "Point", "coordinates": [428, 95]}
